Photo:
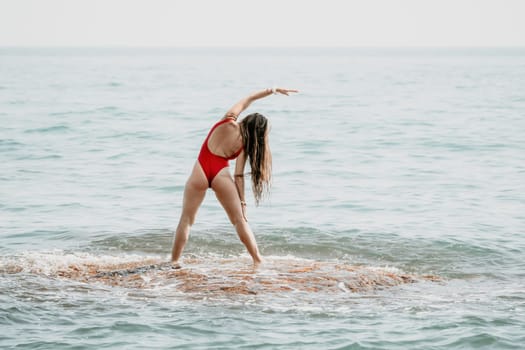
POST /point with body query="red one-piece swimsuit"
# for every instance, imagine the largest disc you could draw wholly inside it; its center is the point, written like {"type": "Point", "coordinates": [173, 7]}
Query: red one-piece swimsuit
{"type": "Point", "coordinates": [212, 163]}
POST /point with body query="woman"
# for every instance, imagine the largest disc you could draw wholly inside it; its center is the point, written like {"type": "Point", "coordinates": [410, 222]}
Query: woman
{"type": "Point", "coordinates": [229, 139]}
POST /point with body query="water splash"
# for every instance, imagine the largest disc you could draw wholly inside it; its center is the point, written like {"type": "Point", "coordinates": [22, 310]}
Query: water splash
{"type": "Point", "coordinates": [211, 275]}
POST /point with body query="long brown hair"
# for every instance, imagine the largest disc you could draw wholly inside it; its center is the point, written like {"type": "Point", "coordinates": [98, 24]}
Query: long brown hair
{"type": "Point", "coordinates": [254, 131]}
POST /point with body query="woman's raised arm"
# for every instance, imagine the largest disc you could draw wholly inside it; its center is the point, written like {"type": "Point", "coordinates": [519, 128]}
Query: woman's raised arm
{"type": "Point", "coordinates": [240, 106]}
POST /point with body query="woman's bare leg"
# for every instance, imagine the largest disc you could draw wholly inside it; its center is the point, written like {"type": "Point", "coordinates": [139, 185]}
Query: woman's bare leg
{"type": "Point", "coordinates": [194, 193]}
{"type": "Point", "coordinates": [227, 195]}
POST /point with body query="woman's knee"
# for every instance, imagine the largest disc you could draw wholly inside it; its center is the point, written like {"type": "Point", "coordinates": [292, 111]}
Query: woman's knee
{"type": "Point", "coordinates": [185, 222]}
{"type": "Point", "coordinates": [237, 219]}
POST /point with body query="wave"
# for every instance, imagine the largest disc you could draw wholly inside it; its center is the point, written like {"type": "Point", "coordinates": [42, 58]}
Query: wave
{"type": "Point", "coordinates": [49, 129]}
{"type": "Point", "coordinates": [299, 259]}
{"type": "Point", "coordinates": [10, 145]}
{"type": "Point", "coordinates": [210, 275]}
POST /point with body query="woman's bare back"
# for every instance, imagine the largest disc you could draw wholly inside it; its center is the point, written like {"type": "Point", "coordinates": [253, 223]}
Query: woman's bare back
{"type": "Point", "coordinates": [225, 140]}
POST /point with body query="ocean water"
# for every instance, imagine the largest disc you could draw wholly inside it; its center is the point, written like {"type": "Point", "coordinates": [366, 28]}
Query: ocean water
{"type": "Point", "coordinates": [396, 218]}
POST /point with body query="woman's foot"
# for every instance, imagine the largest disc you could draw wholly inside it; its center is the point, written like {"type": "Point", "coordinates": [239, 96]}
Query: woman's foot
{"type": "Point", "coordinates": [257, 262]}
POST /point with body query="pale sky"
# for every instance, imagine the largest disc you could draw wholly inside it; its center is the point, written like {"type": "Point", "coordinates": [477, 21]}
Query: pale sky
{"type": "Point", "coordinates": [262, 23]}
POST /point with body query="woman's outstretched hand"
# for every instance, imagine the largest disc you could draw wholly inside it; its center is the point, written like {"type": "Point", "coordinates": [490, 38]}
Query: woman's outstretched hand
{"type": "Point", "coordinates": [284, 91]}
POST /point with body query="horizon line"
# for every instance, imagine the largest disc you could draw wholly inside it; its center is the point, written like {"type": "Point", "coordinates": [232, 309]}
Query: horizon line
{"type": "Point", "coordinates": [118, 46]}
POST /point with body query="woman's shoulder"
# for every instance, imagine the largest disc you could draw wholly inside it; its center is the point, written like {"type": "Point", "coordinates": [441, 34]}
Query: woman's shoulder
{"type": "Point", "coordinates": [228, 121]}
{"type": "Point", "coordinates": [230, 115]}
{"type": "Point", "coordinates": [227, 124]}
{"type": "Point", "coordinates": [228, 118]}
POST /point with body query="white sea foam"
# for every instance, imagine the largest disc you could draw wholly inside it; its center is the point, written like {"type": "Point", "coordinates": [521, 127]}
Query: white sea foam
{"type": "Point", "coordinates": [50, 263]}
{"type": "Point", "coordinates": [211, 274]}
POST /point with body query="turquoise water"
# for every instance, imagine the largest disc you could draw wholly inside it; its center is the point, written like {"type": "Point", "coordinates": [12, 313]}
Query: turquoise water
{"type": "Point", "coordinates": [396, 160]}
